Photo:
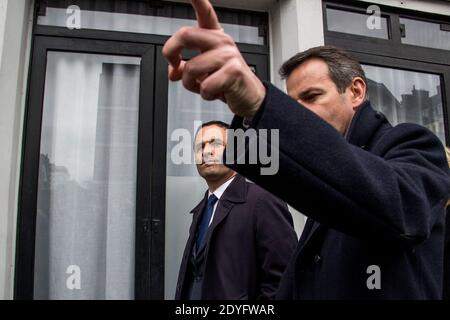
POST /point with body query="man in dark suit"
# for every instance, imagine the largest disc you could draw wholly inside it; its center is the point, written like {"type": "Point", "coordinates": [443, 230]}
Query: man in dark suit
{"type": "Point", "coordinates": [374, 194]}
{"type": "Point", "coordinates": [241, 237]}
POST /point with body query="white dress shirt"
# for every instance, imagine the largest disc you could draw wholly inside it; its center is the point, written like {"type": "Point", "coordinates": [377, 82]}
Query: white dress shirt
{"type": "Point", "coordinates": [218, 193]}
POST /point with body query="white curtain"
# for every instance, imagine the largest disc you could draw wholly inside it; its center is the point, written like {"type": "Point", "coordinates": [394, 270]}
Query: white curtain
{"type": "Point", "coordinates": [87, 178]}
{"type": "Point", "coordinates": [125, 22]}
{"type": "Point", "coordinates": [425, 34]}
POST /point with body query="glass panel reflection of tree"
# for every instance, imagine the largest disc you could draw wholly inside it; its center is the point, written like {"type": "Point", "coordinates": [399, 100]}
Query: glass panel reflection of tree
{"type": "Point", "coordinates": [407, 96]}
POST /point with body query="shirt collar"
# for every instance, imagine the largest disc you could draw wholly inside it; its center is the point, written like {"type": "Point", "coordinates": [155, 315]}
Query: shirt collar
{"type": "Point", "coordinates": [220, 190]}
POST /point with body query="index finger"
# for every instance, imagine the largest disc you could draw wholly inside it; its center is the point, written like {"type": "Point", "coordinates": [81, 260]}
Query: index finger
{"type": "Point", "coordinates": [206, 16]}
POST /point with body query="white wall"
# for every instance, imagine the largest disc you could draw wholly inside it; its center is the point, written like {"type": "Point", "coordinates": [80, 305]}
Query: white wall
{"type": "Point", "coordinates": [295, 25]}
{"type": "Point", "coordinates": [2, 24]}
{"type": "Point", "coordinates": [15, 41]}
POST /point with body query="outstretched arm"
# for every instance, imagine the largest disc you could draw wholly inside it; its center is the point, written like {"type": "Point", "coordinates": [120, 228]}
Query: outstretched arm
{"type": "Point", "coordinates": [219, 71]}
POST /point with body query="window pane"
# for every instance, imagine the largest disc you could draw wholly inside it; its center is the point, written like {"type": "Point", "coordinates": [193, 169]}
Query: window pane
{"type": "Point", "coordinates": [425, 34]}
{"type": "Point", "coordinates": [87, 178]}
{"type": "Point", "coordinates": [184, 187]}
{"type": "Point", "coordinates": [113, 21]}
{"type": "Point", "coordinates": [407, 96]}
{"type": "Point", "coordinates": [355, 23]}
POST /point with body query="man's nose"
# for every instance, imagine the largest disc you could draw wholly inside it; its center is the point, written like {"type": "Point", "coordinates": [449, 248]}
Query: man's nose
{"type": "Point", "coordinates": [208, 151]}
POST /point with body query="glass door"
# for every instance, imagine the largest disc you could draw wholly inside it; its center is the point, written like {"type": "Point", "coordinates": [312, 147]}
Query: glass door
{"type": "Point", "coordinates": [408, 91]}
{"type": "Point", "coordinates": [181, 112]}
{"type": "Point", "coordinates": [85, 172]}
{"type": "Point", "coordinates": [407, 96]}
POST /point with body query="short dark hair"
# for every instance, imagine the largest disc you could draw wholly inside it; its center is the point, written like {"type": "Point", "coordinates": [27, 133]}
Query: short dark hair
{"type": "Point", "coordinates": [342, 67]}
{"type": "Point", "coordinates": [218, 123]}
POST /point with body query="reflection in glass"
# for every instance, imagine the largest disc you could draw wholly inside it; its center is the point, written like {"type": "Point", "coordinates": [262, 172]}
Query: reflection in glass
{"type": "Point", "coordinates": [125, 22]}
{"type": "Point", "coordinates": [425, 34]}
{"type": "Point", "coordinates": [184, 187]}
{"type": "Point", "coordinates": [355, 23]}
{"type": "Point", "coordinates": [407, 96]}
{"type": "Point", "coordinates": [87, 178]}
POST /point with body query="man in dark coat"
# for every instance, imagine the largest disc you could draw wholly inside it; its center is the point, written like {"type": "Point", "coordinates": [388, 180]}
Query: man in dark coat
{"type": "Point", "coordinates": [374, 194]}
{"type": "Point", "coordinates": [241, 237]}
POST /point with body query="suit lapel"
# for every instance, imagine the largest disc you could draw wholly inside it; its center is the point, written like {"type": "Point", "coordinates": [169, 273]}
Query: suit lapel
{"type": "Point", "coordinates": [197, 214]}
{"type": "Point", "coordinates": [306, 233]}
{"type": "Point", "coordinates": [311, 227]}
{"type": "Point", "coordinates": [235, 193]}
{"type": "Point", "coordinates": [307, 240]}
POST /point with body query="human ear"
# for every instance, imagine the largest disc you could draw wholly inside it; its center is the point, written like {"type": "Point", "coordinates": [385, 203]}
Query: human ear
{"type": "Point", "coordinates": [358, 89]}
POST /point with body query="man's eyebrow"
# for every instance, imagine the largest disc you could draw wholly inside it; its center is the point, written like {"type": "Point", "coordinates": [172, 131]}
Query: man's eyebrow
{"type": "Point", "coordinates": [308, 91]}
{"type": "Point", "coordinates": [209, 141]}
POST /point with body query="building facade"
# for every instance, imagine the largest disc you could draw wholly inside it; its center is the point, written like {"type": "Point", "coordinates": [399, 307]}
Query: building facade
{"type": "Point", "coordinates": [97, 175]}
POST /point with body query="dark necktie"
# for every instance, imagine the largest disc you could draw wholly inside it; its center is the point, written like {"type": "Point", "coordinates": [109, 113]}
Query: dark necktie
{"type": "Point", "coordinates": [204, 224]}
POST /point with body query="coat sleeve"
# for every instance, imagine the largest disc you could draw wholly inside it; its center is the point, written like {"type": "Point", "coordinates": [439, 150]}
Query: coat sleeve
{"type": "Point", "coordinates": [393, 194]}
{"type": "Point", "coordinates": [276, 241]}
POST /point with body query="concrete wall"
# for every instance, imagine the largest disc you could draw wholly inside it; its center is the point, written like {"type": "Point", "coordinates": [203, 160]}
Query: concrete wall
{"type": "Point", "coordinates": [2, 24]}
{"type": "Point", "coordinates": [295, 25]}
{"type": "Point", "coordinates": [15, 41]}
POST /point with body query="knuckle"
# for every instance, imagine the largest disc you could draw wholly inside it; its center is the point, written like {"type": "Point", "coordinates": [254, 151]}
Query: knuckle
{"type": "Point", "coordinates": [186, 82]}
{"type": "Point", "coordinates": [188, 68]}
{"type": "Point", "coordinates": [205, 91]}
{"type": "Point", "coordinates": [165, 49]}
{"type": "Point", "coordinates": [227, 39]}
{"type": "Point", "coordinates": [228, 53]}
{"type": "Point", "coordinates": [203, 88]}
{"type": "Point", "coordinates": [189, 83]}
{"type": "Point", "coordinates": [234, 68]}
{"type": "Point", "coordinates": [184, 31]}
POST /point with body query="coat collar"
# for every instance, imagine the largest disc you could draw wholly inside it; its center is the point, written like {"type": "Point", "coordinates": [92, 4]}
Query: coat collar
{"type": "Point", "coordinates": [364, 124]}
{"type": "Point", "coordinates": [235, 193]}
{"type": "Point", "coordinates": [363, 127]}
{"type": "Point", "coordinates": [201, 204]}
